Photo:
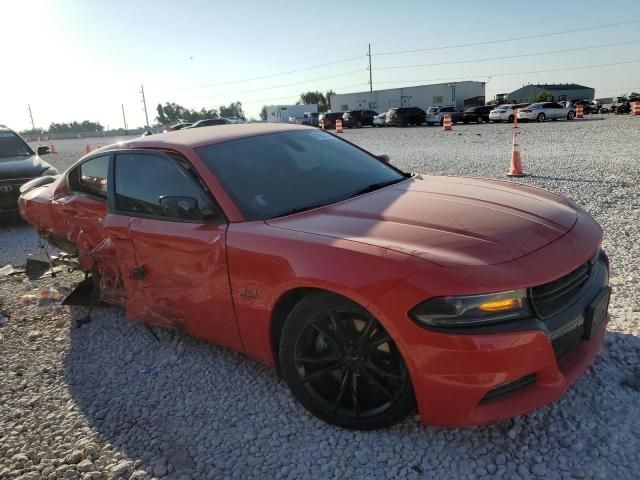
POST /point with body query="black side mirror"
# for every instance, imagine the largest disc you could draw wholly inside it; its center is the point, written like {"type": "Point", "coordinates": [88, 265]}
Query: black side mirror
{"type": "Point", "coordinates": [384, 157]}
{"type": "Point", "coordinates": [180, 207]}
{"type": "Point", "coordinates": [43, 150]}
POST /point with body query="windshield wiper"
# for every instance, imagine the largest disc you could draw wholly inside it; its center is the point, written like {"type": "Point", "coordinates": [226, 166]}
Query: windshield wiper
{"type": "Point", "coordinates": [375, 186]}
{"type": "Point", "coordinates": [299, 210]}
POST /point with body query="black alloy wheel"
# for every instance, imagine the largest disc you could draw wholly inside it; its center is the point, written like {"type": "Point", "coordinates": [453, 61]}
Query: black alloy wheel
{"type": "Point", "coordinates": [571, 115]}
{"type": "Point", "coordinates": [343, 366]}
{"type": "Point", "coordinates": [510, 118]}
{"type": "Point", "coordinates": [541, 117]}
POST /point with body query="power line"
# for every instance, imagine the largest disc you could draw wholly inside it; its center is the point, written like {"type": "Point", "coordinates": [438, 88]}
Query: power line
{"type": "Point", "coordinates": [491, 42]}
{"type": "Point", "coordinates": [513, 73]}
{"type": "Point", "coordinates": [273, 87]}
{"type": "Point", "coordinates": [510, 56]}
{"type": "Point", "coordinates": [263, 77]}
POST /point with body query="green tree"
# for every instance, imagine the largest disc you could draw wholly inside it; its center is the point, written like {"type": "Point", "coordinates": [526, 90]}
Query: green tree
{"type": "Point", "coordinates": [541, 97]}
{"type": "Point", "coordinates": [263, 113]}
{"type": "Point", "coordinates": [233, 110]}
{"type": "Point", "coordinates": [171, 113]}
{"type": "Point", "coordinates": [85, 126]}
{"type": "Point", "coordinates": [318, 98]}
{"type": "Point", "coordinates": [327, 97]}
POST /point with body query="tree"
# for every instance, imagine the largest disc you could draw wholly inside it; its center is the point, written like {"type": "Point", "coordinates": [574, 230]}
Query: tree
{"type": "Point", "coordinates": [318, 98]}
{"type": "Point", "coordinates": [75, 127]}
{"type": "Point", "coordinates": [233, 110]}
{"type": "Point", "coordinates": [541, 97]}
{"type": "Point", "coordinates": [171, 113]}
{"type": "Point", "coordinates": [263, 113]}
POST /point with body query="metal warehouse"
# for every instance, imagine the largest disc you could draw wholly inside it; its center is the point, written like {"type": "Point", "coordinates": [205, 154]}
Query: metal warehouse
{"type": "Point", "coordinates": [460, 94]}
{"type": "Point", "coordinates": [557, 92]}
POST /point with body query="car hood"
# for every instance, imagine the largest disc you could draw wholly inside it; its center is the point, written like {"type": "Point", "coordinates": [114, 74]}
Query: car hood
{"type": "Point", "coordinates": [451, 221]}
{"type": "Point", "coordinates": [22, 167]}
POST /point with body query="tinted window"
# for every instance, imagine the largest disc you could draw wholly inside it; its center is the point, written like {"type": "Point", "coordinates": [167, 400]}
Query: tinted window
{"type": "Point", "coordinates": [142, 179]}
{"type": "Point", "coordinates": [273, 175]}
{"type": "Point", "coordinates": [11, 145]}
{"type": "Point", "coordinates": [91, 176]}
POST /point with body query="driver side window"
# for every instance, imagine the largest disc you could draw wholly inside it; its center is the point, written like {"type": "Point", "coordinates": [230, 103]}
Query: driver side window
{"type": "Point", "coordinates": [143, 180]}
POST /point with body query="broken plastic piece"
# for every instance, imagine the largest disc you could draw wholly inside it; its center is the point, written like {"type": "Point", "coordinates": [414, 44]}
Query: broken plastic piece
{"type": "Point", "coordinates": [50, 292]}
{"type": "Point", "coordinates": [3, 320]}
{"type": "Point", "coordinates": [7, 270]}
{"type": "Point", "coordinates": [28, 298]}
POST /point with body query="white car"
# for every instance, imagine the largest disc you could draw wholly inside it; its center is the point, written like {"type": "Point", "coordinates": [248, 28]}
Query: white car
{"type": "Point", "coordinates": [235, 120]}
{"type": "Point", "coordinates": [505, 113]}
{"type": "Point", "coordinates": [546, 111]}
{"type": "Point", "coordinates": [380, 120]}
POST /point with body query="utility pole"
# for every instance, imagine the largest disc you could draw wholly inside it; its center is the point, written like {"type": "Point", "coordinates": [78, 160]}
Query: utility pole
{"type": "Point", "coordinates": [370, 71]}
{"type": "Point", "coordinates": [144, 102]}
{"type": "Point", "coordinates": [33, 126]}
{"type": "Point", "coordinates": [125, 120]}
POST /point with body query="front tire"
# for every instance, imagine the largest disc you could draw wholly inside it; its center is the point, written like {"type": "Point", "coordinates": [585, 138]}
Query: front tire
{"type": "Point", "coordinates": [571, 115]}
{"type": "Point", "coordinates": [342, 365]}
{"type": "Point", "coordinates": [510, 120]}
{"type": "Point", "coordinates": [541, 117]}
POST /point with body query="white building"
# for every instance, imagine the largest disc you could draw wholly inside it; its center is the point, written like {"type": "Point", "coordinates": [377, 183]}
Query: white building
{"type": "Point", "coordinates": [423, 96]}
{"type": "Point", "coordinates": [281, 113]}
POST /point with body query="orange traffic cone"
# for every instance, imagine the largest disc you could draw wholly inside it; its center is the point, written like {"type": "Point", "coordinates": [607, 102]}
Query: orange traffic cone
{"type": "Point", "coordinates": [338, 126]}
{"type": "Point", "coordinates": [515, 118]}
{"type": "Point", "coordinates": [516, 161]}
{"type": "Point", "coordinates": [636, 108]}
{"type": "Point", "coordinates": [579, 111]}
{"type": "Point", "coordinates": [446, 123]}
{"type": "Point", "coordinates": [53, 148]}
{"type": "Point", "coordinates": [87, 149]}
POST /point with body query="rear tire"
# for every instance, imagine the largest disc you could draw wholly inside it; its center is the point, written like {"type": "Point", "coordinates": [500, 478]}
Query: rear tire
{"type": "Point", "coordinates": [571, 115]}
{"type": "Point", "coordinates": [510, 120]}
{"type": "Point", "coordinates": [541, 117]}
{"type": "Point", "coordinates": [342, 366]}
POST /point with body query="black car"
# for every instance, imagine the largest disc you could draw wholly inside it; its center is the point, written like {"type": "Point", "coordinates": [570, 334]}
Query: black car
{"type": "Point", "coordinates": [358, 118]}
{"type": "Point", "coordinates": [208, 123]}
{"type": "Point", "coordinates": [328, 120]}
{"type": "Point", "coordinates": [477, 114]}
{"type": "Point", "coordinates": [18, 165]}
{"type": "Point", "coordinates": [403, 116]}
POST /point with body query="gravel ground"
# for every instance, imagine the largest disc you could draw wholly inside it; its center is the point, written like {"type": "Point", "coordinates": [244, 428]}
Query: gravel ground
{"type": "Point", "coordinates": [108, 400]}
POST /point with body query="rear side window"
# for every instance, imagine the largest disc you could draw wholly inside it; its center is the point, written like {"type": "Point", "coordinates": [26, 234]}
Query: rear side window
{"type": "Point", "coordinates": [91, 177]}
{"type": "Point", "coordinates": [141, 180]}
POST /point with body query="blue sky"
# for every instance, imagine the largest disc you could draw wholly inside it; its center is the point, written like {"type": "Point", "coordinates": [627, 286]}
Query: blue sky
{"type": "Point", "coordinates": [77, 60]}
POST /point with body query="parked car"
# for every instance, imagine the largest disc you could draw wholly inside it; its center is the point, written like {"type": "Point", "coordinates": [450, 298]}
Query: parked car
{"type": "Point", "coordinates": [208, 123]}
{"type": "Point", "coordinates": [436, 115]}
{"type": "Point", "coordinates": [18, 165]}
{"type": "Point", "coordinates": [477, 114]}
{"type": "Point", "coordinates": [235, 119]}
{"type": "Point", "coordinates": [380, 120]}
{"type": "Point", "coordinates": [177, 126]}
{"type": "Point", "coordinates": [308, 118]}
{"type": "Point", "coordinates": [372, 289]}
{"type": "Point", "coordinates": [358, 118]}
{"type": "Point", "coordinates": [403, 116]}
{"type": "Point", "coordinates": [328, 120]}
{"type": "Point", "coordinates": [546, 111]}
{"type": "Point", "coordinates": [505, 113]}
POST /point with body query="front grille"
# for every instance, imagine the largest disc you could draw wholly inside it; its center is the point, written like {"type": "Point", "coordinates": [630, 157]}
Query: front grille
{"type": "Point", "coordinates": [553, 297]}
{"type": "Point", "coordinates": [9, 193]}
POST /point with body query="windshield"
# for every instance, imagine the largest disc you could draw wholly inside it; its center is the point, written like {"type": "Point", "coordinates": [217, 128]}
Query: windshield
{"type": "Point", "coordinates": [11, 145]}
{"type": "Point", "coordinates": [283, 173]}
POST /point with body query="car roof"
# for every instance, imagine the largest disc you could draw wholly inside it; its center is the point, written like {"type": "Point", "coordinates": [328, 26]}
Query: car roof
{"type": "Point", "coordinates": [197, 137]}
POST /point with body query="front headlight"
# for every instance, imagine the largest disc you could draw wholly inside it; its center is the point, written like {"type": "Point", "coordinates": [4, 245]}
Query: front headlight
{"type": "Point", "coordinates": [471, 310]}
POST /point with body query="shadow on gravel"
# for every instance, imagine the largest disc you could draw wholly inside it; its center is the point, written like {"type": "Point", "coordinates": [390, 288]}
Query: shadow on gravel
{"type": "Point", "coordinates": [182, 406]}
{"type": "Point", "coordinates": [580, 180]}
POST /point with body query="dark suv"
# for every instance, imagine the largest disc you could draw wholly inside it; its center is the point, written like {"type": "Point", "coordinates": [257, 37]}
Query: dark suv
{"type": "Point", "coordinates": [358, 118]}
{"type": "Point", "coordinates": [477, 114]}
{"type": "Point", "coordinates": [328, 120]}
{"type": "Point", "coordinates": [18, 165]}
{"type": "Point", "coordinates": [403, 116]}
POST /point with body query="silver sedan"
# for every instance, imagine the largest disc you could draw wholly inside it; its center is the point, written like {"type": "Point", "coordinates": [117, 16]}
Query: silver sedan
{"type": "Point", "coordinates": [546, 111]}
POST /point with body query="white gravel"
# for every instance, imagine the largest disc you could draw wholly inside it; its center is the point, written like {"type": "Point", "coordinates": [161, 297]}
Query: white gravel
{"type": "Point", "coordinates": [109, 401]}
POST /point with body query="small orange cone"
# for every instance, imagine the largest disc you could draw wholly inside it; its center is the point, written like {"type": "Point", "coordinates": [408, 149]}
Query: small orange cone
{"type": "Point", "coordinates": [515, 118]}
{"type": "Point", "coordinates": [516, 162]}
{"type": "Point", "coordinates": [579, 111]}
{"type": "Point", "coordinates": [446, 123]}
{"type": "Point", "coordinates": [338, 126]}
{"type": "Point", "coordinates": [87, 149]}
{"type": "Point", "coordinates": [635, 108]}
{"type": "Point", "coordinates": [53, 148]}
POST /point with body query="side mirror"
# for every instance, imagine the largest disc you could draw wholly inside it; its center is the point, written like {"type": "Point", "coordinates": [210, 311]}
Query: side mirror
{"type": "Point", "coordinates": [43, 150]}
{"type": "Point", "coordinates": [384, 157]}
{"type": "Point", "coordinates": [180, 207]}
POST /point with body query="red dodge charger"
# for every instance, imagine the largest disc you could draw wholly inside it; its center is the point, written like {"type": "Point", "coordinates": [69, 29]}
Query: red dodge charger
{"type": "Point", "coordinates": [372, 290]}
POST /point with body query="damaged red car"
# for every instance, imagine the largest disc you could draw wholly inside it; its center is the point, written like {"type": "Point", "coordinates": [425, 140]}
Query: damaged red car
{"type": "Point", "coordinates": [374, 291]}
